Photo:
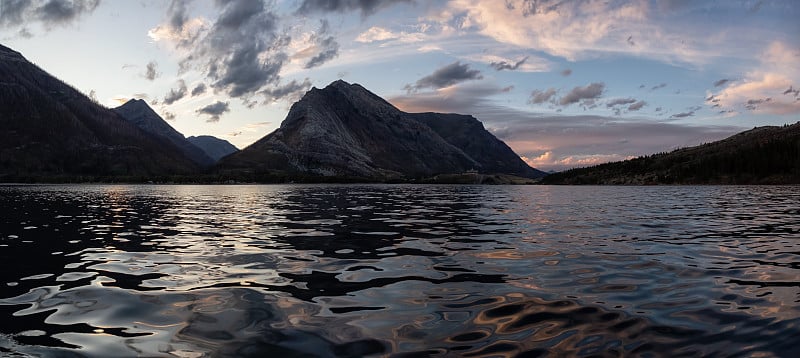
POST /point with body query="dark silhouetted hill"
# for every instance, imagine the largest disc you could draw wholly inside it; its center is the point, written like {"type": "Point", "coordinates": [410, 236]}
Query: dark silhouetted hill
{"type": "Point", "coordinates": [213, 147]}
{"type": "Point", "coordinates": [50, 129]}
{"type": "Point", "coordinates": [139, 113]}
{"type": "Point", "coordinates": [763, 155]}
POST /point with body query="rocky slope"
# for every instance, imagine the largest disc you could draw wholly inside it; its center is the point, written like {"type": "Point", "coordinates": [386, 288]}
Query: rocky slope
{"type": "Point", "coordinates": [213, 147]}
{"type": "Point", "coordinates": [469, 135]}
{"type": "Point", "coordinates": [49, 129]}
{"type": "Point", "coordinates": [139, 113]}
{"type": "Point", "coordinates": [346, 130]}
{"type": "Point", "coordinates": [763, 155]}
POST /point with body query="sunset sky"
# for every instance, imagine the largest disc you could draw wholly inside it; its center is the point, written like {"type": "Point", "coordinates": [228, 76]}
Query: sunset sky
{"type": "Point", "coordinates": [564, 83]}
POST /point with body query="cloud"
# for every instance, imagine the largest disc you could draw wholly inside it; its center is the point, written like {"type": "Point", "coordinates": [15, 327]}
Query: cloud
{"type": "Point", "coordinates": [367, 7]}
{"type": "Point", "coordinates": [214, 110]}
{"type": "Point", "coordinates": [503, 65]}
{"type": "Point", "coordinates": [177, 14]}
{"type": "Point", "coordinates": [446, 76]}
{"type": "Point", "coordinates": [721, 82]}
{"type": "Point", "coordinates": [539, 96]}
{"type": "Point", "coordinates": [779, 69]}
{"type": "Point", "coordinates": [379, 34]}
{"type": "Point", "coordinates": [239, 53]}
{"type": "Point", "coordinates": [658, 86]}
{"type": "Point", "coordinates": [683, 114]}
{"type": "Point", "coordinates": [199, 89]}
{"type": "Point", "coordinates": [559, 28]}
{"type": "Point", "coordinates": [49, 13]}
{"type": "Point", "coordinates": [374, 34]}
{"type": "Point", "coordinates": [169, 116]}
{"type": "Point", "coordinates": [327, 46]}
{"type": "Point", "coordinates": [176, 94]}
{"type": "Point", "coordinates": [550, 162]}
{"type": "Point", "coordinates": [429, 48]}
{"type": "Point", "coordinates": [151, 71]}
{"type": "Point", "coordinates": [577, 94]}
{"type": "Point", "coordinates": [637, 106]}
{"type": "Point", "coordinates": [619, 101]}
{"type": "Point", "coordinates": [291, 91]}
{"type": "Point", "coordinates": [468, 98]}
{"type": "Point", "coordinates": [566, 72]}
{"type": "Point", "coordinates": [588, 29]}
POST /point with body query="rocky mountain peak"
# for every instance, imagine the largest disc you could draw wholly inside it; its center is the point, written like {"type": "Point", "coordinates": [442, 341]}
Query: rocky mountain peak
{"type": "Point", "coordinates": [353, 95]}
{"type": "Point", "coordinates": [346, 130]}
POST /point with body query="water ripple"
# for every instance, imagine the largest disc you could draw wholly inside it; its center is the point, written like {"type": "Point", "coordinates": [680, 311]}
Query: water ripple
{"type": "Point", "coordinates": [404, 270]}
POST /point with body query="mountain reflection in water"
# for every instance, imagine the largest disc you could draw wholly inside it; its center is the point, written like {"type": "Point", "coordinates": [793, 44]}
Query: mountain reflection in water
{"type": "Point", "coordinates": [404, 270]}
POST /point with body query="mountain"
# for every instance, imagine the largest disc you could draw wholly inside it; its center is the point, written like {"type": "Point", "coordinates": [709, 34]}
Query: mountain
{"type": "Point", "coordinates": [469, 135]}
{"type": "Point", "coordinates": [50, 129]}
{"type": "Point", "coordinates": [213, 147]}
{"type": "Point", "coordinates": [346, 130]}
{"type": "Point", "coordinates": [139, 113]}
{"type": "Point", "coordinates": [763, 155]}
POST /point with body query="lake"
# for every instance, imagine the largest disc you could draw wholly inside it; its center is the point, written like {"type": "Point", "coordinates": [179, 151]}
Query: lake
{"type": "Point", "coordinates": [399, 270]}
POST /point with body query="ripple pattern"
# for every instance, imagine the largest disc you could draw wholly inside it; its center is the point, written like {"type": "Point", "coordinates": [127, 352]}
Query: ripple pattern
{"type": "Point", "coordinates": [399, 270]}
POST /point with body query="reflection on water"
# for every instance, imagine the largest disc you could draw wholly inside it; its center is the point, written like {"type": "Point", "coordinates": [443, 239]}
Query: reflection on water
{"type": "Point", "coordinates": [348, 271]}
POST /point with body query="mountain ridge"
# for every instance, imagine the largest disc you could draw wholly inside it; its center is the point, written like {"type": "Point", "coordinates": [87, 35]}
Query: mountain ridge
{"type": "Point", "coordinates": [214, 147]}
{"type": "Point", "coordinates": [50, 129]}
{"type": "Point", "coordinates": [138, 112]}
{"type": "Point", "coordinates": [762, 155]}
{"type": "Point", "coordinates": [346, 130]}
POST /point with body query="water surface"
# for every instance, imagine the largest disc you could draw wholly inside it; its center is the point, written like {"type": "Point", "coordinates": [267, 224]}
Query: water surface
{"type": "Point", "coordinates": [400, 270]}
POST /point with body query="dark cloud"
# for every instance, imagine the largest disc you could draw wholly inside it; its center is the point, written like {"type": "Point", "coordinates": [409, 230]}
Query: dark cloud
{"type": "Point", "coordinates": [49, 12]}
{"type": "Point", "coordinates": [13, 12]}
{"type": "Point", "coordinates": [151, 72]}
{"type": "Point", "coordinates": [367, 7]}
{"type": "Point", "coordinates": [169, 116]}
{"type": "Point", "coordinates": [683, 114]}
{"type": "Point", "coordinates": [533, 7]}
{"type": "Point", "coordinates": [199, 89]}
{"type": "Point", "coordinates": [214, 110]}
{"type": "Point", "coordinates": [752, 104]}
{"type": "Point", "coordinates": [292, 91]}
{"type": "Point", "coordinates": [539, 96]}
{"type": "Point", "coordinates": [25, 33]}
{"type": "Point", "coordinates": [721, 82]}
{"type": "Point", "coordinates": [566, 72]}
{"type": "Point", "coordinates": [241, 52]}
{"type": "Point", "coordinates": [176, 94]}
{"type": "Point", "coordinates": [65, 11]}
{"type": "Point", "coordinates": [619, 102]}
{"type": "Point", "coordinates": [467, 99]}
{"type": "Point", "coordinates": [658, 86]}
{"type": "Point", "coordinates": [327, 44]}
{"type": "Point", "coordinates": [637, 106]}
{"type": "Point", "coordinates": [446, 76]}
{"type": "Point", "coordinates": [177, 14]}
{"type": "Point", "coordinates": [577, 94]}
{"type": "Point", "coordinates": [503, 65]}
{"type": "Point", "coordinates": [791, 90]}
